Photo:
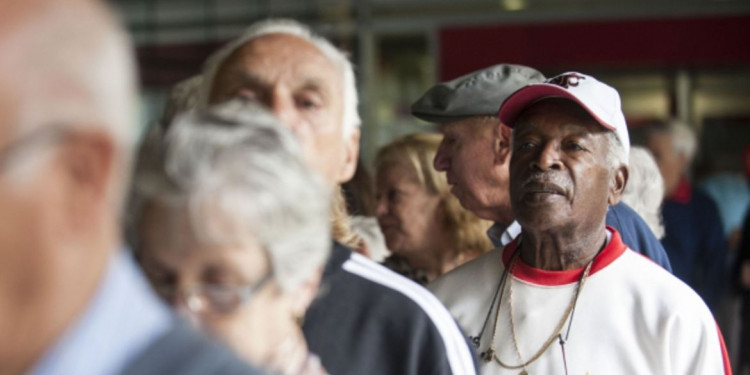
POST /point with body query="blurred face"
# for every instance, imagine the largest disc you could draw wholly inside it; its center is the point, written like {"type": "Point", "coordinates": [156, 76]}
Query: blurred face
{"type": "Point", "coordinates": [671, 164]}
{"type": "Point", "coordinates": [57, 228]}
{"type": "Point", "coordinates": [199, 281]}
{"type": "Point", "coordinates": [558, 171]}
{"type": "Point", "coordinates": [410, 217]}
{"type": "Point", "coordinates": [472, 158]}
{"type": "Point", "coordinates": [27, 216]}
{"type": "Point", "coordinates": [303, 88]}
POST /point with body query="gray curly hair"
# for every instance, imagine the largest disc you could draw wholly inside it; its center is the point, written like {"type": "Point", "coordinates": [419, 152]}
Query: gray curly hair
{"type": "Point", "coordinates": [237, 172]}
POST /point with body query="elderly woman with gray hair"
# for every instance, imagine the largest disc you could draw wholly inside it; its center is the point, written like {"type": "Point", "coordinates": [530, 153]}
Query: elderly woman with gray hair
{"type": "Point", "coordinates": [232, 230]}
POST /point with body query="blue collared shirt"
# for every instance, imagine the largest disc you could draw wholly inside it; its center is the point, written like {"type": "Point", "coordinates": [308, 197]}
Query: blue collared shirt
{"type": "Point", "coordinates": [122, 319]}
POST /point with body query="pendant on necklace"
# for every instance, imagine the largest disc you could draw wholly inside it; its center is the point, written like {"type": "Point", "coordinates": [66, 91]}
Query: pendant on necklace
{"type": "Point", "coordinates": [487, 356]}
{"type": "Point", "coordinates": [524, 372]}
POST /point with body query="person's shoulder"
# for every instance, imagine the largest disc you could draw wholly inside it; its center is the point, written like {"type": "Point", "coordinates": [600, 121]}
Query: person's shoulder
{"type": "Point", "coordinates": [405, 303]}
{"type": "Point", "coordinates": [623, 217]}
{"type": "Point", "coordinates": [664, 289]}
{"type": "Point", "coordinates": [468, 275]}
{"type": "Point", "coordinates": [378, 279]}
{"type": "Point", "coordinates": [671, 311]}
{"type": "Point", "coordinates": [468, 290]}
{"type": "Point", "coordinates": [702, 199]}
{"type": "Point", "coordinates": [630, 225]}
{"type": "Point", "coordinates": [366, 279]}
{"type": "Point", "coordinates": [637, 234]}
{"type": "Point", "coordinates": [183, 351]}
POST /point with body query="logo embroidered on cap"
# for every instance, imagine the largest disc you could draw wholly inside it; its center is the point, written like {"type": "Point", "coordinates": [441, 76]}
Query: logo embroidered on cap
{"type": "Point", "coordinates": [567, 80]}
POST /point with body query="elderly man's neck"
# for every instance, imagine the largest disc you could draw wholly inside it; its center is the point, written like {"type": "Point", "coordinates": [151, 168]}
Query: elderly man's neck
{"type": "Point", "coordinates": [562, 249]}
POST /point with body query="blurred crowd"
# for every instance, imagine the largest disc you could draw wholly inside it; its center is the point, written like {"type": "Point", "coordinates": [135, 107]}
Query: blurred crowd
{"type": "Point", "coordinates": [536, 232]}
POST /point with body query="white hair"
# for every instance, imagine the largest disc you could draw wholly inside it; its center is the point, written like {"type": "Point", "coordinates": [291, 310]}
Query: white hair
{"type": "Point", "coordinates": [350, 118]}
{"type": "Point", "coordinates": [182, 97]}
{"type": "Point", "coordinates": [645, 189]}
{"type": "Point", "coordinates": [684, 141]}
{"type": "Point", "coordinates": [239, 174]}
{"type": "Point", "coordinates": [616, 155]}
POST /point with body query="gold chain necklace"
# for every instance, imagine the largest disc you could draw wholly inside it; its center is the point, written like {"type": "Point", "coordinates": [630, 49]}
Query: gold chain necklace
{"type": "Point", "coordinates": [491, 353]}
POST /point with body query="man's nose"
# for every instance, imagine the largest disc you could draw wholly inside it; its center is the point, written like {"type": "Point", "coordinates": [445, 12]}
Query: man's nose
{"type": "Point", "coordinates": [442, 159]}
{"type": "Point", "coordinates": [548, 158]}
{"type": "Point", "coordinates": [284, 109]}
{"type": "Point", "coordinates": [381, 206]}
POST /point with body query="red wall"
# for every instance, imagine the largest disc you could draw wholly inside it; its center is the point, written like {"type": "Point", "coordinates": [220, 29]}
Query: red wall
{"type": "Point", "coordinates": [554, 47]}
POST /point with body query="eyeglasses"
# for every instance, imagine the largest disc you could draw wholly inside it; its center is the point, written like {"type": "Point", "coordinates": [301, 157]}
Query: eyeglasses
{"type": "Point", "coordinates": [211, 298]}
{"type": "Point", "coordinates": [28, 142]}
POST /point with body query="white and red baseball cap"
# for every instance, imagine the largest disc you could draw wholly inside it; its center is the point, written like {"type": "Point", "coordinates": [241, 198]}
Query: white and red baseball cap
{"type": "Point", "coordinates": [600, 100]}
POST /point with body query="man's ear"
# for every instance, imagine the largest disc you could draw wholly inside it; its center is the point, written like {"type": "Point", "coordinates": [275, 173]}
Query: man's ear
{"type": "Point", "coordinates": [88, 161]}
{"type": "Point", "coordinates": [502, 135]}
{"type": "Point", "coordinates": [350, 157]}
{"type": "Point", "coordinates": [617, 186]}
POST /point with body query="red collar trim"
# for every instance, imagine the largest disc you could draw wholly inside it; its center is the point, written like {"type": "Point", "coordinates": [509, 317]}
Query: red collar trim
{"type": "Point", "coordinates": [525, 272]}
{"type": "Point", "coordinates": [683, 193]}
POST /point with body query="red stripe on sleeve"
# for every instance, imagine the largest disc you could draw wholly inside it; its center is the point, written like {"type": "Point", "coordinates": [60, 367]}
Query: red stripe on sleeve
{"type": "Point", "coordinates": [724, 354]}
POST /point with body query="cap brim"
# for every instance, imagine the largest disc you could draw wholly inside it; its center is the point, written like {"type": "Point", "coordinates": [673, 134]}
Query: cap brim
{"type": "Point", "coordinates": [523, 98]}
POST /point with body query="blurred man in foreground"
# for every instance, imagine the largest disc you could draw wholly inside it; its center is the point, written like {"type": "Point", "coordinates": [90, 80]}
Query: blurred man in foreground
{"type": "Point", "coordinates": [71, 302]}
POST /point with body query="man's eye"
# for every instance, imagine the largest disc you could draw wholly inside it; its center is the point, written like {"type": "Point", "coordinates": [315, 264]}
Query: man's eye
{"type": "Point", "coordinates": [308, 103]}
{"type": "Point", "coordinates": [525, 145]}
{"type": "Point", "coordinates": [573, 146]}
{"type": "Point", "coordinates": [247, 94]}
{"type": "Point", "coordinates": [393, 195]}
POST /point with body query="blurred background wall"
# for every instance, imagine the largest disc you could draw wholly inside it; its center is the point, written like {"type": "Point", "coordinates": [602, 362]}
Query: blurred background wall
{"type": "Point", "coordinates": [684, 58]}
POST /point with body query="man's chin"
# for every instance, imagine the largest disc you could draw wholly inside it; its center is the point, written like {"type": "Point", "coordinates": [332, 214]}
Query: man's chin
{"type": "Point", "coordinates": [469, 203]}
{"type": "Point", "coordinates": [464, 199]}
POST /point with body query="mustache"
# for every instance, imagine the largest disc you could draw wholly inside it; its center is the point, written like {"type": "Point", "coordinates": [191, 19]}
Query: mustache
{"type": "Point", "coordinates": [546, 181]}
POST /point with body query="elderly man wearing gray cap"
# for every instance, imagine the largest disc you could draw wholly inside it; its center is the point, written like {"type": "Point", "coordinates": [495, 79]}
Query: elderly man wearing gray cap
{"type": "Point", "coordinates": [476, 150]}
{"type": "Point", "coordinates": [568, 296]}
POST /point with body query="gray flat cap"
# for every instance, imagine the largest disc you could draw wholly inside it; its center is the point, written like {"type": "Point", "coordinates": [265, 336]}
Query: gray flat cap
{"type": "Point", "coordinates": [478, 93]}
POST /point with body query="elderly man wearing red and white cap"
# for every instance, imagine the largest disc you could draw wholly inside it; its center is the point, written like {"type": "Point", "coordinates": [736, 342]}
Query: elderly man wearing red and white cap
{"type": "Point", "coordinates": [568, 296]}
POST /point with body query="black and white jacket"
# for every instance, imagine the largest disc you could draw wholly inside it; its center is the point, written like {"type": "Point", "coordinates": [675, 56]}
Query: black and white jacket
{"type": "Point", "coordinates": [369, 320]}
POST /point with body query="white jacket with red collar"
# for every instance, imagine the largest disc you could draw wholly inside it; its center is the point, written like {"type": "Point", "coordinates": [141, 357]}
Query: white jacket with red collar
{"type": "Point", "coordinates": [632, 317]}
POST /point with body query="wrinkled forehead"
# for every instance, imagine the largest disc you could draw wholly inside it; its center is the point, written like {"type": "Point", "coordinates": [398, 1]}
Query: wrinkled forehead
{"type": "Point", "coordinates": [560, 114]}
{"type": "Point", "coordinates": [280, 58]}
{"type": "Point", "coordinates": [477, 126]}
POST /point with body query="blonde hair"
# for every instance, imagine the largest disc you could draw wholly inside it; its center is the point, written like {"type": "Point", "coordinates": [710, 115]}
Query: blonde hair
{"type": "Point", "coordinates": [417, 151]}
{"type": "Point", "coordinates": [341, 224]}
